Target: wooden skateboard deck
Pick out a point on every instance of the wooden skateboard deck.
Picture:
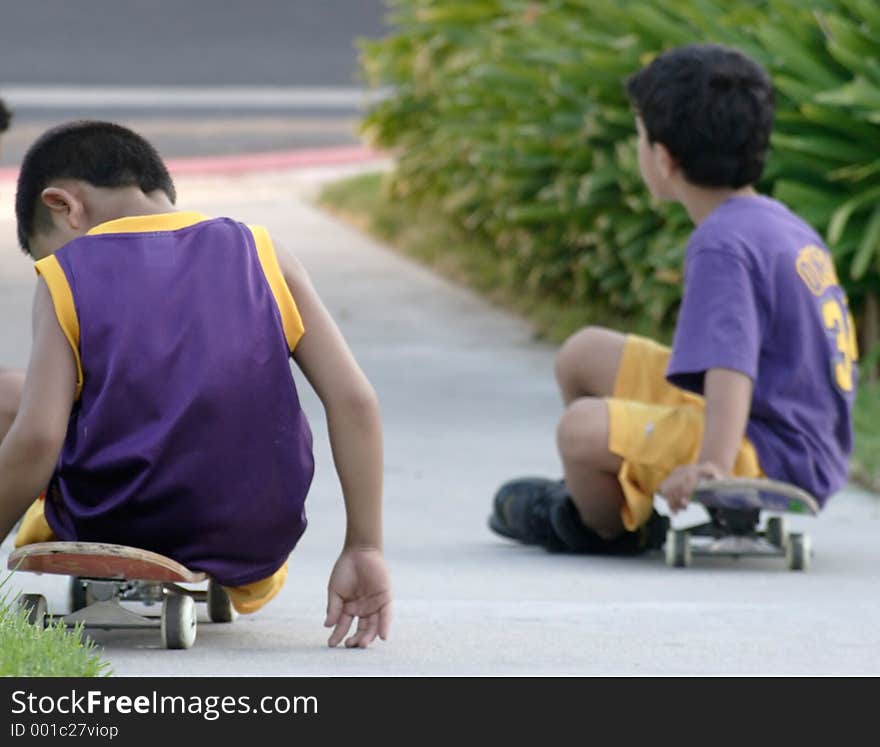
(750, 494)
(100, 561)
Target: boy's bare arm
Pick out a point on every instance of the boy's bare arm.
(29, 452)
(350, 403)
(359, 585)
(728, 396)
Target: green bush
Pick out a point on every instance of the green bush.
(510, 117)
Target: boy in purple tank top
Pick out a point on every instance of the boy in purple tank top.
(761, 377)
(159, 410)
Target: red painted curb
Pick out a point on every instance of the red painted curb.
(243, 163)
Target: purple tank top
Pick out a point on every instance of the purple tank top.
(187, 438)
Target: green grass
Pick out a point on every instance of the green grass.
(422, 233)
(28, 651)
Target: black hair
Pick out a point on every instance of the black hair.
(102, 154)
(712, 107)
(5, 116)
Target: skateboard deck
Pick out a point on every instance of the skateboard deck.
(101, 561)
(740, 494)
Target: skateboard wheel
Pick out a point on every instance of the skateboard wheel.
(77, 594)
(775, 531)
(178, 622)
(36, 608)
(797, 552)
(678, 548)
(220, 609)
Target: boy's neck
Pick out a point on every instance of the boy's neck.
(700, 202)
(128, 202)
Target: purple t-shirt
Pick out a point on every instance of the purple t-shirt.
(761, 297)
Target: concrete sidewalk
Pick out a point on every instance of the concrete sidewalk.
(468, 400)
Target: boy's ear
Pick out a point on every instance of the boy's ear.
(65, 206)
(667, 165)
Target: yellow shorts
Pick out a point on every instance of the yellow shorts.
(246, 599)
(655, 427)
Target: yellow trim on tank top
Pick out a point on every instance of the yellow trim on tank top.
(65, 310)
(149, 223)
(290, 318)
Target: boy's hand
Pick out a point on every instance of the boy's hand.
(678, 487)
(359, 587)
(728, 396)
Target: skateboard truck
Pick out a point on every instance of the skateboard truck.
(734, 507)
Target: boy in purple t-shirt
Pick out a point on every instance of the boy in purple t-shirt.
(761, 376)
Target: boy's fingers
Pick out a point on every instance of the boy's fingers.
(362, 637)
(339, 631)
(334, 609)
(353, 639)
(369, 634)
(385, 621)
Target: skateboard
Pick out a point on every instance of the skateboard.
(734, 507)
(103, 576)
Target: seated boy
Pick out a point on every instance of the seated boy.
(159, 410)
(760, 379)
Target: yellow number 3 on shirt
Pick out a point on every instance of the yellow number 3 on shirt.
(839, 320)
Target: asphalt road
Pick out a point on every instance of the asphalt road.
(287, 71)
(468, 400)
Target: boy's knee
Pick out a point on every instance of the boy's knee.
(571, 354)
(587, 361)
(582, 434)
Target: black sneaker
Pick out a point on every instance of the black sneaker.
(653, 531)
(521, 511)
(575, 535)
(579, 538)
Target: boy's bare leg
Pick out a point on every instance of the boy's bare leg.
(590, 468)
(11, 386)
(586, 372)
(586, 369)
(587, 363)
